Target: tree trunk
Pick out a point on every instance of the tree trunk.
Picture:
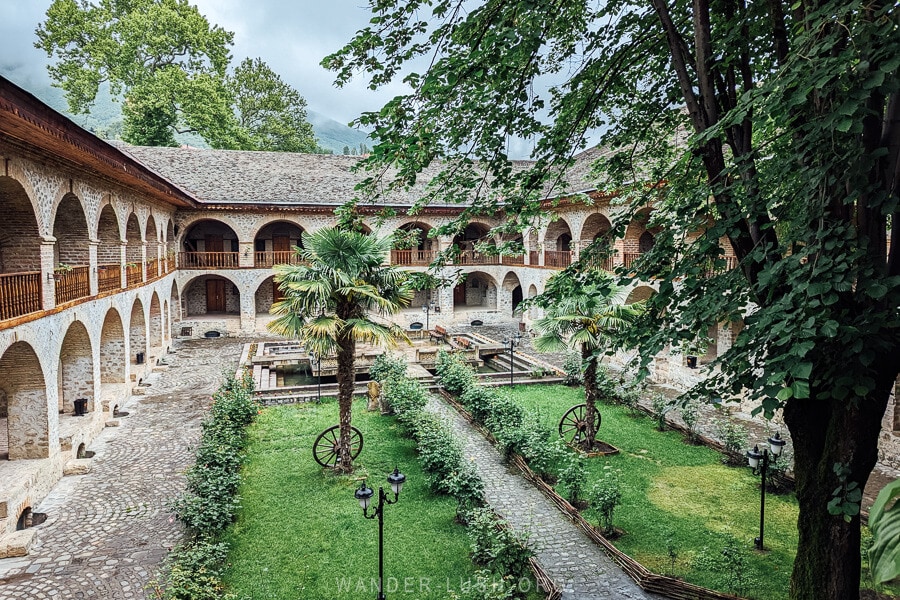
(590, 398)
(346, 379)
(825, 433)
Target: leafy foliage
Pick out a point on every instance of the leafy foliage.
(573, 476)
(734, 437)
(773, 128)
(169, 65)
(884, 521)
(660, 406)
(605, 495)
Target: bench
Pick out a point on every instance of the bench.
(438, 333)
(463, 342)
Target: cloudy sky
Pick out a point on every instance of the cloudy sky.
(292, 36)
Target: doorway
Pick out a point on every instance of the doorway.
(215, 295)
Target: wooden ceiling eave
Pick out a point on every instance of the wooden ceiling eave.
(47, 137)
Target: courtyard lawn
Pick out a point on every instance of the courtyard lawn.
(680, 497)
(301, 534)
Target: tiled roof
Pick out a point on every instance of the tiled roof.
(233, 176)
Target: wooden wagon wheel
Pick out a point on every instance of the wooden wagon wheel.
(573, 426)
(325, 448)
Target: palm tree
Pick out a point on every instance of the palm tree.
(585, 317)
(329, 302)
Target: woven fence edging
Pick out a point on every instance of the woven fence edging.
(642, 576)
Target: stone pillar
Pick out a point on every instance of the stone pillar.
(246, 254)
(444, 299)
(48, 282)
(248, 310)
(123, 258)
(143, 261)
(92, 268)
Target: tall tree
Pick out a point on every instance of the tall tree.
(162, 55)
(170, 67)
(330, 301)
(774, 126)
(271, 111)
(584, 311)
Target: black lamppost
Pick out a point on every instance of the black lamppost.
(754, 458)
(427, 308)
(315, 362)
(364, 495)
(512, 342)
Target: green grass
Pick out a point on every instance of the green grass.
(301, 534)
(682, 494)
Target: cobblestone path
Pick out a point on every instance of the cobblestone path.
(108, 530)
(575, 563)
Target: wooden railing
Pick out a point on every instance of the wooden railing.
(476, 258)
(558, 259)
(152, 269)
(170, 263)
(534, 258)
(208, 260)
(133, 274)
(412, 257)
(20, 294)
(265, 260)
(109, 277)
(72, 284)
(518, 259)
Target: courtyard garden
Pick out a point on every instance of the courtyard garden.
(301, 533)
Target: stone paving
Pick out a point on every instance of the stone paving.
(109, 530)
(572, 560)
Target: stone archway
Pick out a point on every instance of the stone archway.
(211, 294)
(156, 323)
(23, 403)
(175, 310)
(209, 243)
(512, 294)
(71, 257)
(137, 334)
(274, 244)
(20, 252)
(478, 291)
(109, 251)
(76, 369)
(113, 358)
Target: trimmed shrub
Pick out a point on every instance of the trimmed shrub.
(734, 437)
(455, 376)
(479, 400)
(387, 367)
(573, 477)
(605, 495)
(405, 397)
(496, 546)
(660, 406)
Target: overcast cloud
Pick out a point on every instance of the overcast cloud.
(292, 36)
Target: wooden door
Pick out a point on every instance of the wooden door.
(215, 295)
(281, 243)
(459, 295)
(214, 243)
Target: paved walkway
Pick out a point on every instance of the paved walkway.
(574, 562)
(108, 531)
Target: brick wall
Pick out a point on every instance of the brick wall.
(133, 252)
(137, 333)
(108, 252)
(156, 323)
(20, 244)
(485, 295)
(71, 233)
(195, 297)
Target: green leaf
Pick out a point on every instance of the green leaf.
(785, 394)
(884, 521)
(800, 389)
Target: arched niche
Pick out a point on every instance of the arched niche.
(23, 403)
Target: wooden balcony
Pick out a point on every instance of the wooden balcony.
(512, 261)
(534, 258)
(20, 294)
(412, 258)
(152, 269)
(208, 260)
(267, 260)
(170, 263)
(133, 274)
(557, 259)
(109, 277)
(72, 284)
(469, 257)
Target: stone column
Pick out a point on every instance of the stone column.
(248, 310)
(48, 282)
(92, 268)
(123, 258)
(143, 261)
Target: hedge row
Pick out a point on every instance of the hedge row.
(193, 570)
